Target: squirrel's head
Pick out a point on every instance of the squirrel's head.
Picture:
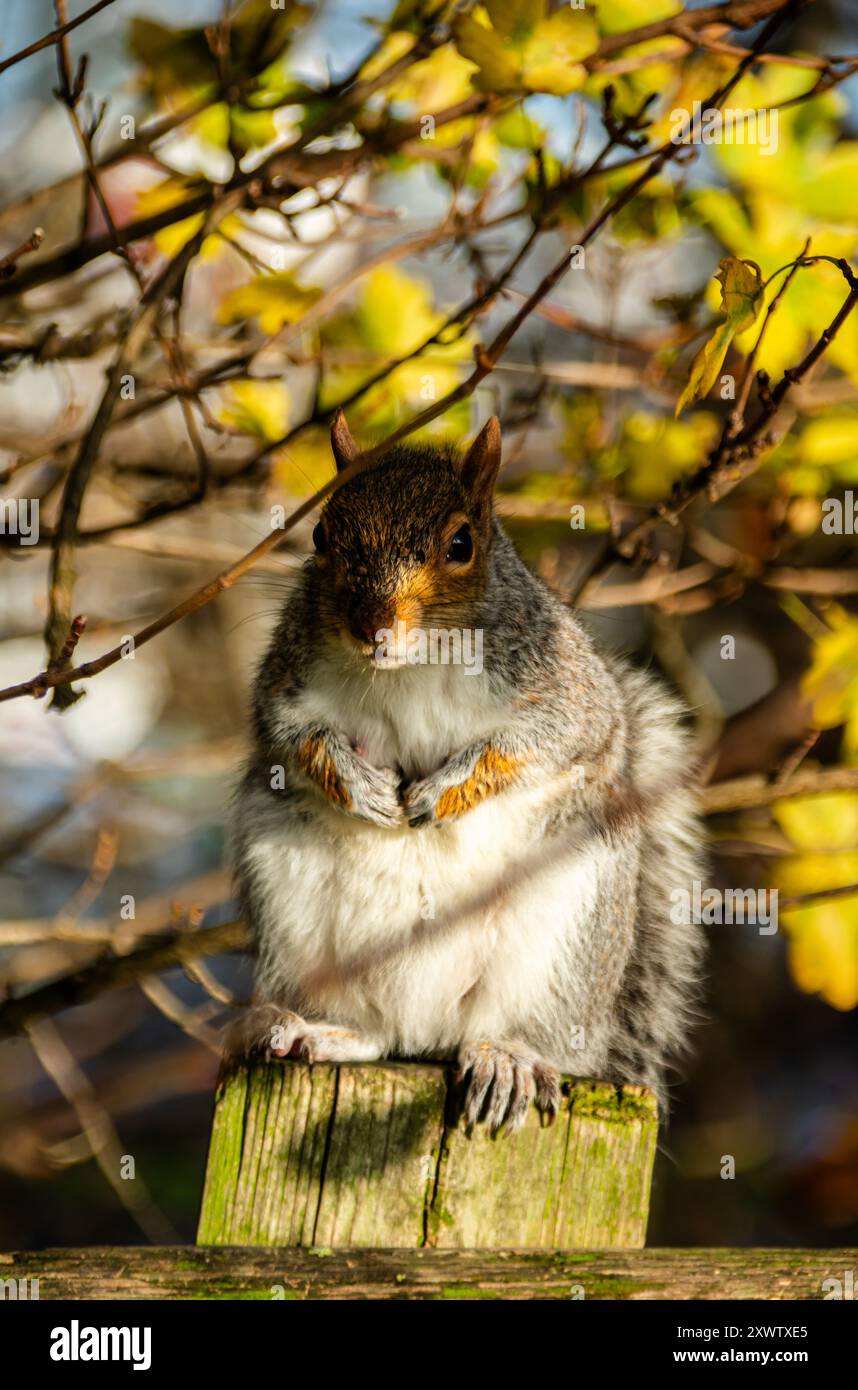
(404, 544)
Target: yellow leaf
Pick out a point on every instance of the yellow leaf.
(517, 49)
(741, 301)
(515, 19)
(655, 451)
(170, 193)
(615, 16)
(394, 314)
(552, 56)
(827, 822)
(823, 952)
(395, 46)
(274, 300)
(304, 465)
(830, 440)
(499, 68)
(823, 936)
(741, 291)
(439, 81)
(832, 679)
(260, 408)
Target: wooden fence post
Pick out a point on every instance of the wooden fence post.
(378, 1156)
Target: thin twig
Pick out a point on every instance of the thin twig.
(55, 35)
(98, 1129)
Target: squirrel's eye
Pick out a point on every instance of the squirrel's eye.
(320, 540)
(461, 547)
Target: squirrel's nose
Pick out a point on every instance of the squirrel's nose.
(365, 628)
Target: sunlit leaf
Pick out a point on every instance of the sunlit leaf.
(741, 301)
(439, 81)
(823, 936)
(825, 822)
(394, 314)
(259, 408)
(831, 682)
(499, 67)
(552, 54)
(517, 47)
(654, 451)
(823, 952)
(274, 299)
(170, 193)
(615, 16)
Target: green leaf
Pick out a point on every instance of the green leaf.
(741, 301)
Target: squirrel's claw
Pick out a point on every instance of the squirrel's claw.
(547, 1090)
(502, 1081)
(420, 802)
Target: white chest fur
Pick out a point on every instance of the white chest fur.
(419, 935)
(414, 717)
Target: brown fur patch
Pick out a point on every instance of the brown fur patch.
(493, 772)
(318, 764)
(622, 808)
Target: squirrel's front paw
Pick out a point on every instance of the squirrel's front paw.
(348, 781)
(374, 793)
(502, 1080)
(420, 800)
(461, 784)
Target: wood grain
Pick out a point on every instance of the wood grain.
(189, 1272)
(378, 1156)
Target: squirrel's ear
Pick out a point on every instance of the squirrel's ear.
(480, 465)
(343, 442)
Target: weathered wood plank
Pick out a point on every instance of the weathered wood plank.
(261, 1132)
(192, 1272)
(380, 1171)
(378, 1155)
(583, 1182)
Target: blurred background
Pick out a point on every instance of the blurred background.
(112, 811)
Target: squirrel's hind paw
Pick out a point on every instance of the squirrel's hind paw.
(501, 1083)
(250, 1033)
(269, 1031)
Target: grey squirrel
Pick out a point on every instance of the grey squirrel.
(441, 861)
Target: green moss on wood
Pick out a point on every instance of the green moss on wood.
(369, 1156)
